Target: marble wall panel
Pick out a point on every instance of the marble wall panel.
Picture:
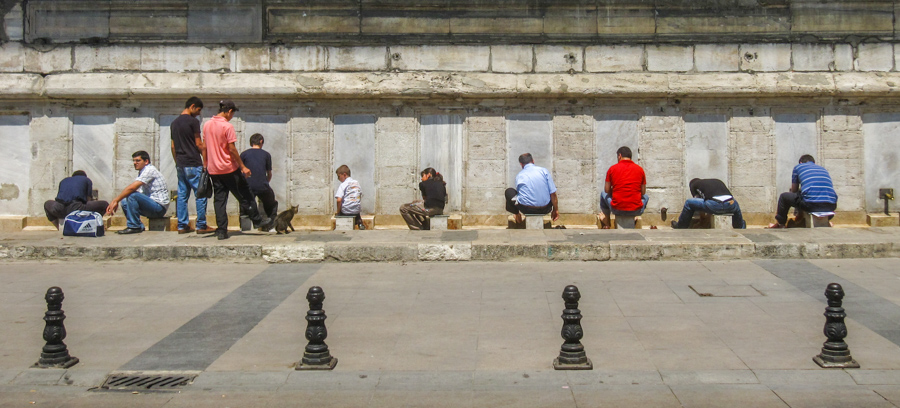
(528, 133)
(15, 174)
(93, 148)
(796, 134)
(881, 133)
(274, 129)
(441, 147)
(613, 131)
(706, 147)
(354, 145)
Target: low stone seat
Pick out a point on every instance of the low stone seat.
(536, 221)
(246, 223)
(625, 221)
(159, 224)
(344, 222)
(817, 219)
(721, 221)
(439, 222)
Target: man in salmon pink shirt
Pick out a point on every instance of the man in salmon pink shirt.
(227, 171)
(625, 191)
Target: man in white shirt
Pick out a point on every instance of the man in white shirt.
(148, 195)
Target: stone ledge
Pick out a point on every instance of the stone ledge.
(340, 85)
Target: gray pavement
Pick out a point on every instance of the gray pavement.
(464, 245)
(456, 334)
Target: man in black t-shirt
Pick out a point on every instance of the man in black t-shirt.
(711, 196)
(190, 160)
(259, 162)
(434, 196)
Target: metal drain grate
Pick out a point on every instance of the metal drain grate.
(147, 381)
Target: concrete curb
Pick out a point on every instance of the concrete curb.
(458, 251)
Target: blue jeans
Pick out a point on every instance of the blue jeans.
(606, 205)
(136, 205)
(712, 207)
(189, 180)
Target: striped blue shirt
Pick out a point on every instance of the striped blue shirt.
(534, 185)
(815, 183)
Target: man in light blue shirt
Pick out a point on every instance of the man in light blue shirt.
(535, 192)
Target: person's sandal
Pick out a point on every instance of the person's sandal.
(776, 226)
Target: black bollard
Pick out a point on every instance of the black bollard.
(571, 354)
(835, 352)
(55, 354)
(316, 356)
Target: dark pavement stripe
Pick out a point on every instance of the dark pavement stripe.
(201, 341)
(878, 314)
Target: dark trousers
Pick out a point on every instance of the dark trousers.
(267, 200)
(788, 200)
(236, 184)
(516, 208)
(56, 210)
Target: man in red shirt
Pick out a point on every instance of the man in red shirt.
(227, 171)
(625, 191)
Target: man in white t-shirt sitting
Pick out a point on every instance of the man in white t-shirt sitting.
(148, 195)
(347, 196)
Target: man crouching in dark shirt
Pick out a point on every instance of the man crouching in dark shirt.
(74, 194)
(711, 196)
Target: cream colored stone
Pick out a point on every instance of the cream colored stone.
(357, 58)
(109, 58)
(717, 57)
(765, 57)
(558, 58)
(302, 58)
(843, 57)
(185, 59)
(670, 58)
(512, 58)
(56, 60)
(875, 57)
(812, 57)
(614, 58)
(441, 58)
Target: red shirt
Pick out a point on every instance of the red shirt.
(626, 179)
(218, 133)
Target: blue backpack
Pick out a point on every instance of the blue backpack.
(83, 224)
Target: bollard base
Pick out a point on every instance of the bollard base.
(827, 362)
(328, 366)
(56, 363)
(587, 365)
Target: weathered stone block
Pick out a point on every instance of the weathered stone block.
(486, 124)
(241, 17)
(162, 21)
(438, 222)
(310, 174)
(55, 60)
(185, 58)
(837, 121)
(309, 58)
(752, 172)
(755, 199)
(573, 145)
(109, 58)
(842, 17)
(62, 22)
(485, 200)
(496, 25)
(752, 146)
(250, 59)
(357, 58)
(441, 58)
(558, 58)
(572, 123)
(314, 200)
(313, 19)
(512, 58)
(397, 176)
(875, 57)
(670, 58)
(813, 57)
(577, 200)
(663, 173)
(757, 120)
(312, 146)
(660, 123)
(882, 220)
(843, 57)
(398, 149)
(397, 125)
(133, 126)
(389, 199)
(12, 57)
(614, 58)
(625, 19)
(570, 21)
(311, 124)
(661, 146)
(485, 173)
(297, 252)
(445, 252)
(573, 173)
(717, 57)
(486, 145)
(765, 57)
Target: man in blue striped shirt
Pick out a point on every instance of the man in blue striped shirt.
(811, 191)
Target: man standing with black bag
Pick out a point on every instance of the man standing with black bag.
(189, 153)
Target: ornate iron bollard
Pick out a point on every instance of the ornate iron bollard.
(571, 354)
(835, 352)
(55, 354)
(316, 355)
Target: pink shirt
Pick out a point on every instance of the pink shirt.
(218, 133)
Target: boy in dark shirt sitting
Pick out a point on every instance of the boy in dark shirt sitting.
(434, 196)
(259, 162)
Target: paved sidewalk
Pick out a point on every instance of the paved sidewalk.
(437, 335)
(464, 245)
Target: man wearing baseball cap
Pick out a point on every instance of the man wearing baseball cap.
(227, 171)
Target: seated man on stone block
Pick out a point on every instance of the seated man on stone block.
(75, 194)
(535, 192)
(713, 197)
(148, 195)
(811, 191)
(625, 191)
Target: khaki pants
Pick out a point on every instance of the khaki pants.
(416, 215)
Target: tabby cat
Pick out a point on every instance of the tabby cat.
(283, 220)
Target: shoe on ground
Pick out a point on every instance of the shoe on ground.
(130, 231)
(674, 224)
(186, 230)
(362, 227)
(207, 230)
(222, 235)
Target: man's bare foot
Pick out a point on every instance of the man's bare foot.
(776, 225)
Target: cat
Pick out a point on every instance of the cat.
(283, 220)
